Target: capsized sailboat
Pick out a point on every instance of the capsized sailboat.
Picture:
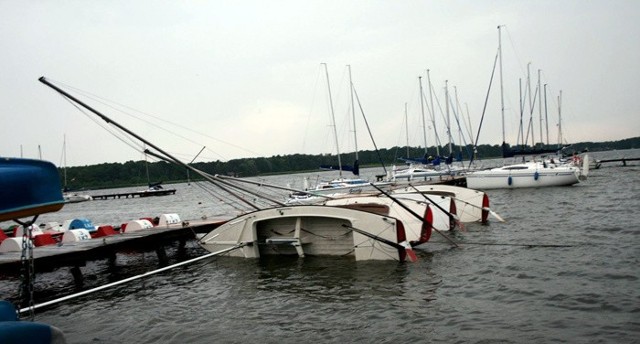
(314, 231)
(305, 230)
(470, 205)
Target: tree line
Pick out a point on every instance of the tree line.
(136, 173)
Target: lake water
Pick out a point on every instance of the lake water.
(492, 289)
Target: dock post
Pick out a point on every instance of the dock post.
(182, 247)
(77, 275)
(112, 260)
(162, 255)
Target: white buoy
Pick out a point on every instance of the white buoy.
(137, 225)
(34, 231)
(13, 245)
(168, 219)
(75, 235)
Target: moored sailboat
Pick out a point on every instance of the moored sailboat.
(527, 174)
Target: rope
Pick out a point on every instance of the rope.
(32, 307)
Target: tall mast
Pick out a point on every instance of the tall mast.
(546, 117)
(521, 131)
(433, 117)
(530, 127)
(406, 121)
(424, 124)
(446, 98)
(146, 165)
(501, 82)
(560, 138)
(333, 120)
(353, 113)
(469, 126)
(540, 108)
(455, 90)
(64, 158)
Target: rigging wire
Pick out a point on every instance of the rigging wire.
(127, 140)
(108, 102)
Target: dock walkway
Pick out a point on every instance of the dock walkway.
(146, 193)
(622, 160)
(50, 257)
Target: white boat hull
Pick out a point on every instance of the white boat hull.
(470, 205)
(309, 230)
(526, 176)
(386, 206)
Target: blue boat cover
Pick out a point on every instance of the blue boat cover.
(28, 187)
(82, 223)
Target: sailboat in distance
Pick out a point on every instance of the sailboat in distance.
(68, 195)
(340, 185)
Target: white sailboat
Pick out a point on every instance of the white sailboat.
(536, 173)
(426, 168)
(70, 197)
(340, 185)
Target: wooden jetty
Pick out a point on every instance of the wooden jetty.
(76, 254)
(146, 193)
(622, 160)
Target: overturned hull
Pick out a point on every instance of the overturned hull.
(469, 205)
(418, 228)
(311, 230)
(29, 187)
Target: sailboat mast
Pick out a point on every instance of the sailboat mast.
(333, 119)
(530, 127)
(546, 117)
(166, 155)
(540, 109)
(501, 82)
(521, 129)
(446, 98)
(353, 113)
(424, 124)
(458, 115)
(406, 122)
(146, 165)
(433, 117)
(64, 158)
(560, 138)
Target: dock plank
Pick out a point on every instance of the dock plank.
(134, 194)
(47, 258)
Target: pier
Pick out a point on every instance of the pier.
(75, 255)
(622, 160)
(146, 193)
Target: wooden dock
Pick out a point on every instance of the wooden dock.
(622, 160)
(146, 193)
(50, 257)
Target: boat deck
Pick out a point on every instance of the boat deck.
(50, 257)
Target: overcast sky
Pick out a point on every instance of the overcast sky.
(245, 78)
